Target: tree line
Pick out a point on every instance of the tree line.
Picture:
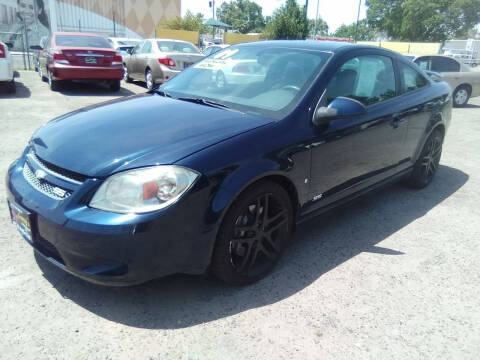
(402, 20)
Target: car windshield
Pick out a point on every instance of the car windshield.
(254, 79)
(82, 41)
(177, 46)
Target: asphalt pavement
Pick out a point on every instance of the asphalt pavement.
(395, 275)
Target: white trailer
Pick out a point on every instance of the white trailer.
(467, 51)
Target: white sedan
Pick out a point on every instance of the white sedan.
(6, 69)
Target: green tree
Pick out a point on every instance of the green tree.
(243, 15)
(424, 20)
(189, 22)
(287, 22)
(364, 31)
(322, 27)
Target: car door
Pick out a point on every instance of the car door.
(132, 61)
(142, 58)
(418, 105)
(348, 155)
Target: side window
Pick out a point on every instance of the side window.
(207, 51)
(146, 48)
(369, 79)
(411, 78)
(425, 63)
(444, 64)
(137, 48)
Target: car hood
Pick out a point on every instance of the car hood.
(136, 131)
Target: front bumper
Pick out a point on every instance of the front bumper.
(114, 249)
(70, 72)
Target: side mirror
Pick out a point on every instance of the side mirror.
(435, 76)
(9, 45)
(340, 108)
(36, 47)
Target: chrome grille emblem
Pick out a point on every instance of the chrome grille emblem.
(40, 174)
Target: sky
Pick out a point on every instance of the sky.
(335, 13)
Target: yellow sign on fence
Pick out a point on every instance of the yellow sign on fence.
(234, 38)
(190, 36)
(406, 47)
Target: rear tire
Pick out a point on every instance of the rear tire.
(126, 75)
(149, 79)
(253, 234)
(54, 84)
(427, 164)
(115, 85)
(461, 96)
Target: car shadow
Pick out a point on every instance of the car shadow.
(22, 92)
(320, 245)
(471, 106)
(86, 89)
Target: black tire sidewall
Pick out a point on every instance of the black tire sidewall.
(418, 178)
(221, 266)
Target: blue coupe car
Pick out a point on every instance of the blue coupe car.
(195, 177)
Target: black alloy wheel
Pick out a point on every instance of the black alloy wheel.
(428, 162)
(253, 235)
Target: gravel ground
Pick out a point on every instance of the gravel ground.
(393, 276)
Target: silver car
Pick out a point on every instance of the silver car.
(464, 81)
(158, 60)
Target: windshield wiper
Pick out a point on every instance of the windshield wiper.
(206, 102)
(161, 92)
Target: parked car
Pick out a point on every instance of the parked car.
(123, 45)
(80, 56)
(464, 81)
(189, 177)
(158, 60)
(212, 49)
(229, 70)
(6, 68)
(37, 51)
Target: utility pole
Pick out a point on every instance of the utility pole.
(306, 19)
(358, 17)
(316, 20)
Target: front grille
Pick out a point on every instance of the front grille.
(44, 186)
(57, 171)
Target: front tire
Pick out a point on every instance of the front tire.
(461, 96)
(253, 234)
(427, 164)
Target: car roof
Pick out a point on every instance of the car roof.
(175, 40)
(307, 44)
(76, 33)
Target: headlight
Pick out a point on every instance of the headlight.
(143, 190)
